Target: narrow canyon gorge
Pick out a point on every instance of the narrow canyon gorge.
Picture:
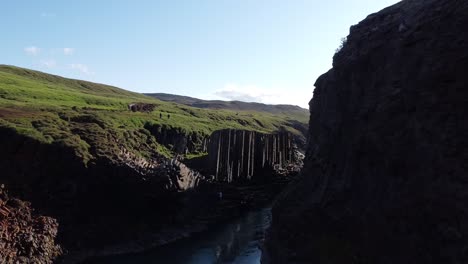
(379, 174)
(150, 201)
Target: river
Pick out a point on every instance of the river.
(235, 242)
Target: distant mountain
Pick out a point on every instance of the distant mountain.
(230, 105)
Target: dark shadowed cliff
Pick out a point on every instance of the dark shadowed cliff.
(385, 178)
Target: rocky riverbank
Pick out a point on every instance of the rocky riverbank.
(208, 210)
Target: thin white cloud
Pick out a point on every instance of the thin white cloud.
(247, 93)
(253, 93)
(49, 63)
(32, 50)
(68, 51)
(81, 68)
(47, 15)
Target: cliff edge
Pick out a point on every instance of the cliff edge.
(385, 177)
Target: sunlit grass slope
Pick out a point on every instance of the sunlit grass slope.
(94, 119)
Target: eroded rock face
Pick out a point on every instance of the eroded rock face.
(177, 140)
(240, 154)
(24, 236)
(385, 178)
(170, 174)
(128, 193)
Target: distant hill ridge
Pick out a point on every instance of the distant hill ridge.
(231, 105)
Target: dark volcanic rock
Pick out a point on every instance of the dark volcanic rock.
(141, 107)
(24, 236)
(235, 155)
(130, 193)
(385, 178)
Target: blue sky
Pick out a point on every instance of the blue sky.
(269, 51)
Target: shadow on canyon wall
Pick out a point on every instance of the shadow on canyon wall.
(385, 173)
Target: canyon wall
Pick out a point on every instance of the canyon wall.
(125, 192)
(237, 155)
(385, 178)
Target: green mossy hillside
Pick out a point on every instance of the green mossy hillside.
(94, 118)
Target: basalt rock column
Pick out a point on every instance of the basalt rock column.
(240, 154)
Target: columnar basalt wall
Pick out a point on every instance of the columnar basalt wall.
(385, 177)
(241, 155)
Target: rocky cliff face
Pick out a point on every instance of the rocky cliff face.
(24, 236)
(177, 140)
(236, 155)
(385, 175)
(169, 174)
(128, 193)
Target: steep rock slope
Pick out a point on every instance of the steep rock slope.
(385, 178)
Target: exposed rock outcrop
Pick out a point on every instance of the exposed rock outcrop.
(24, 236)
(177, 140)
(235, 155)
(141, 107)
(385, 177)
(172, 174)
